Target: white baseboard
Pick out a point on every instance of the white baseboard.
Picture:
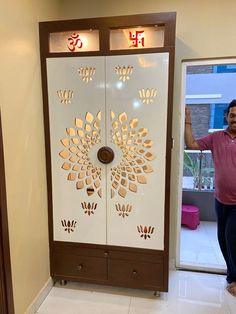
(34, 306)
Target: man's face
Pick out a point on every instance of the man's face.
(231, 119)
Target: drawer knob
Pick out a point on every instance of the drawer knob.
(106, 254)
(79, 267)
(135, 272)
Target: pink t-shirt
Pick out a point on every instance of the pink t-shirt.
(223, 149)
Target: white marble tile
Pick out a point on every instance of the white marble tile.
(200, 247)
(72, 301)
(145, 306)
(197, 293)
(189, 293)
(220, 258)
(206, 257)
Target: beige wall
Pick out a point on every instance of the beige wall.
(22, 117)
(205, 28)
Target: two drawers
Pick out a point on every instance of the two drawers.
(109, 266)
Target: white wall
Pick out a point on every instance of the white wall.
(204, 29)
(23, 136)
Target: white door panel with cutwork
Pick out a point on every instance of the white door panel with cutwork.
(77, 130)
(136, 103)
(119, 102)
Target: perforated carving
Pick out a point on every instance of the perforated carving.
(65, 96)
(86, 73)
(82, 136)
(147, 96)
(124, 72)
(68, 225)
(134, 166)
(123, 210)
(145, 232)
(89, 208)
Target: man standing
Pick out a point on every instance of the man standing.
(223, 147)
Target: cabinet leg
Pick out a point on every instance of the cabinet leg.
(63, 282)
(157, 294)
(54, 281)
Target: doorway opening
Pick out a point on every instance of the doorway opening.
(207, 88)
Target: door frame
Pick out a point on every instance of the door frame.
(6, 292)
(184, 64)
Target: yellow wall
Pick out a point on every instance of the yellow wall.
(23, 135)
(205, 28)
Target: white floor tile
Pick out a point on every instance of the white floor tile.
(200, 246)
(142, 306)
(189, 293)
(76, 301)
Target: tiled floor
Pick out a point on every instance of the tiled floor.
(200, 247)
(189, 293)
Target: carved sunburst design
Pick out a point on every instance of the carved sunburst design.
(79, 141)
(135, 163)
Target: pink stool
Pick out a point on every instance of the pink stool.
(190, 216)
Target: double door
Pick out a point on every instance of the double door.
(107, 119)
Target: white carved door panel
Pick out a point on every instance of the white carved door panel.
(119, 102)
(77, 130)
(136, 104)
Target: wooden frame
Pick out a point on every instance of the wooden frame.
(6, 293)
(60, 249)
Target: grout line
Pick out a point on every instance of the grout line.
(129, 309)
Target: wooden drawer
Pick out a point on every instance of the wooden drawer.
(80, 267)
(136, 274)
(63, 248)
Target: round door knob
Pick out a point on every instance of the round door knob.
(105, 155)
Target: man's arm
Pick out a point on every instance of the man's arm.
(188, 134)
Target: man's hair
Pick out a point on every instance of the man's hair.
(231, 104)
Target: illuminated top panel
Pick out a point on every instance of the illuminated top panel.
(137, 38)
(74, 41)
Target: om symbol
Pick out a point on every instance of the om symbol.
(74, 41)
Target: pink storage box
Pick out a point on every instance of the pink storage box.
(190, 216)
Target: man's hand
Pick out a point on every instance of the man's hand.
(187, 115)
(188, 135)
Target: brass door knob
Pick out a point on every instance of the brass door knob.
(105, 155)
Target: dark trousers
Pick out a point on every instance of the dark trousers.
(226, 224)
